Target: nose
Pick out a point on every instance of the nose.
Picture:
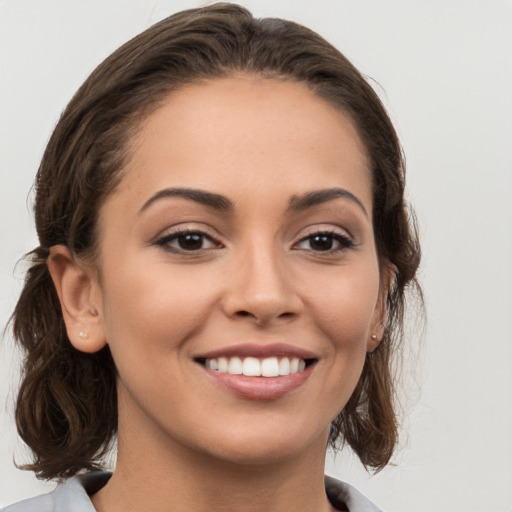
(261, 289)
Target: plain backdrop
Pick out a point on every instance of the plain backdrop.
(444, 70)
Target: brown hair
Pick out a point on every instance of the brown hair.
(66, 409)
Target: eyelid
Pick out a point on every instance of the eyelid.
(323, 228)
(342, 236)
(188, 227)
(176, 231)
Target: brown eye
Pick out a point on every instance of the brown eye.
(190, 241)
(321, 242)
(325, 242)
(187, 241)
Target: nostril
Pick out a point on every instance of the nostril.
(262, 318)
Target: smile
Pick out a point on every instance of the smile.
(255, 367)
(259, 372)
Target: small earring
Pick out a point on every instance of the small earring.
(83, 335)
(373, 337)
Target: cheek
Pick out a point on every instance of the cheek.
(344, 307)
(150, 313)
(149, 321)
(344, 313)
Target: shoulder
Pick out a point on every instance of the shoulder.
(344, 497)
(69, 496)
(73, 496)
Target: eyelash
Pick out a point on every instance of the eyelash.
(165, 241)
(343, 241)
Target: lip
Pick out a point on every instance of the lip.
(258, 388)
(259, 350)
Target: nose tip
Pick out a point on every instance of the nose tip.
(262, 291)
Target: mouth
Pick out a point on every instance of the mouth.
(260, 372)
(250, 366)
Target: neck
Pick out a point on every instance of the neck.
(176, 478)
(158, 472)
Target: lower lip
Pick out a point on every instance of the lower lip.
(260, 388)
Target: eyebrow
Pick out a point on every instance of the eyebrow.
(216, 201)
(316, 197)
(222, 203)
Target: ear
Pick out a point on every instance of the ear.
(380, 314)
(80, 299)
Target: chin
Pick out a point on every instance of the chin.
(269, 446)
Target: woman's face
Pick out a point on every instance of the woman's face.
(240, 240)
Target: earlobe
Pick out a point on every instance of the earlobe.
(373, 342)
(381, 311)
(75, 287)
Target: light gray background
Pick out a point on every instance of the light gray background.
(444, 70)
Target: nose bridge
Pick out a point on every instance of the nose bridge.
(260, 285)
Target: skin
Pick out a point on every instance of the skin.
(186, 443)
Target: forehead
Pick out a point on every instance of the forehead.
(246, 133)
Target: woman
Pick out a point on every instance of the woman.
(224, 254)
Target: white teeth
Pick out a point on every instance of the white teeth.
(270, 367)
(223, 364)
(235, 366)
(254, 367)
(284, 366)
(251, 367)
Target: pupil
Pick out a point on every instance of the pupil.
(191, 241)
(321, 242)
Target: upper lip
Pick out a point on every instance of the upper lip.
(259, 351)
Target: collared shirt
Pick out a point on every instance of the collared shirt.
(73, 496)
